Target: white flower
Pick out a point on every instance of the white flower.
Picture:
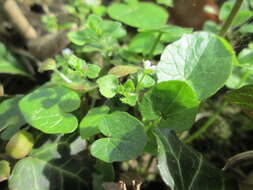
(92, 2)
(67, 51)
(148, 65)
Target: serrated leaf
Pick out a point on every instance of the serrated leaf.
(113, 29)
(131, 99)
(125, 140)
(243, 97)
(10, 115)
(139, 15)
(82, 37)
(5, 170)
(76, 63)
(201, 59)
(93, 71)
(182, 168)
(47, 109)
(145, 81)
(90, 122)
(53, 166)
(174, 103)
(108, 85)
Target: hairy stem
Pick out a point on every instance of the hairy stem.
(230, 18)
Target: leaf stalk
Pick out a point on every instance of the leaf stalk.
(230, 18)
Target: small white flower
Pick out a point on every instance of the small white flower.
(67, 51)
(92, 2)
(148, 65)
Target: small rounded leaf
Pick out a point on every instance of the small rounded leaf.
(108, 85)
(125, 140)
(4, 170)
(47, 109)
(20, 145)
(139, 15)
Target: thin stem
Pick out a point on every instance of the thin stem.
(151, 53)
(203, 129)
(137, 89)
(230, 18)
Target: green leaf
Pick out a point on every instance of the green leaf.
(145, 81)
(10, 115)
(211, 26)
(242, 75)
(201, 59)
(93, 71)
(9, 64)
(113, 29)
(246, 29)
(108, 85)
(94, 22)
(243, 97)
(89, 124)
(82, 37)
(174, 103)
(128, 91)
(143, 43)
(131, 2)
(5, 170)
(170, 33)
(246, 55)
(182, 168)
(130, 99)
(53, 166)
(139, 15)
(168, 3)
(125, 140)
(46, 109)
(48, 65)
(106, 169)
(76, 63)
(123, 70)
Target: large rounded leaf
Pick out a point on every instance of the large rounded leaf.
(125, 140)
(182, 168)
(203, 60)
(174, 103)
(139, 15)
(55, 165)
(46, 109)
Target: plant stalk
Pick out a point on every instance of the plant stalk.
(151, 53)
(203, 129)
(230, 18)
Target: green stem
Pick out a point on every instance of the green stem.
(203, 129)
(137, 89)
(230, 18)
(151, 53)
